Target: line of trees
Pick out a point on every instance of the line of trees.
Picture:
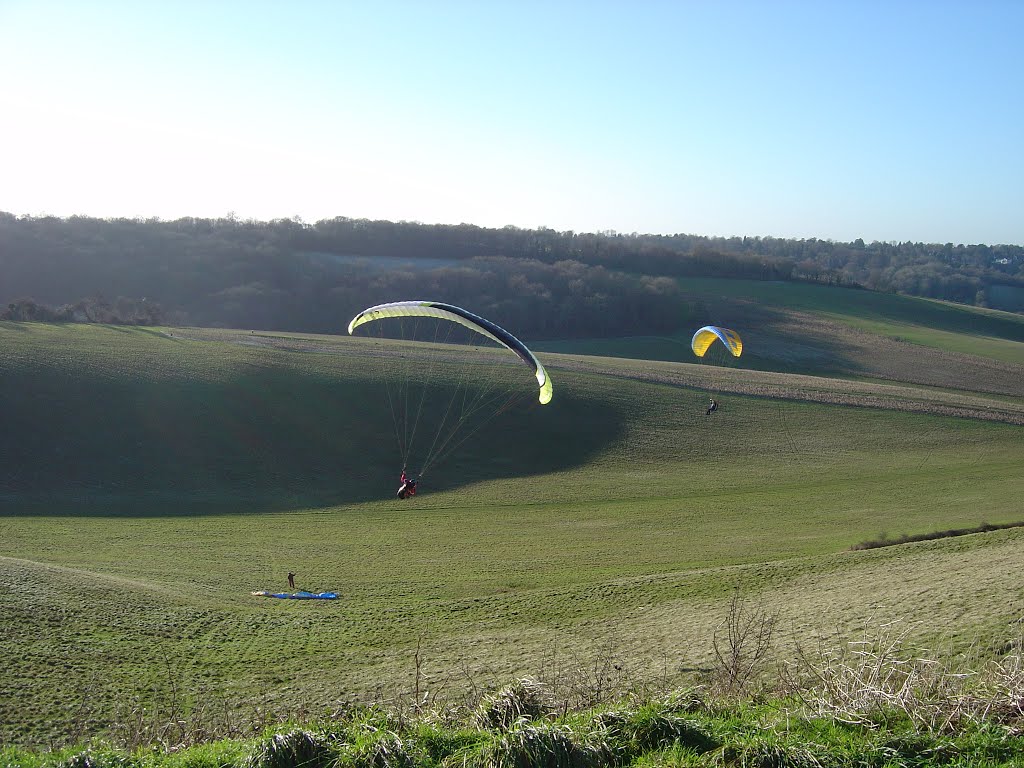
(293, 275)
(96, 309)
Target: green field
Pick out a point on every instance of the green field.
(152, 478)
(835, 331)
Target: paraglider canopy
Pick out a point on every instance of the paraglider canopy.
(441, 383)
(462, 317)
(706, 336)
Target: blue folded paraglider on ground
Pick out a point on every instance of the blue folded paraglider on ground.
(300, 595)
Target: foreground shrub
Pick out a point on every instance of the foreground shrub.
(294, 749)
(525, 699)
(764, 752)
(653, 727)
(101, 758)
(537, 746)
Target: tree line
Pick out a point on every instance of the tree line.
(95, 309)
(292, 275)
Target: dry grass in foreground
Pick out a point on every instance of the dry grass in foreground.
(876, 702)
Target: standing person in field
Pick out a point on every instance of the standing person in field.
(711, 408)
(291, 579)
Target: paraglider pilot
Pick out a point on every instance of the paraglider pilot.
(291, 579)
(407, 486)
(711, 408)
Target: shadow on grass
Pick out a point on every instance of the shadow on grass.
(862, 304)
(265, 440)
(770, 343)
(777, 340)
(905, 538)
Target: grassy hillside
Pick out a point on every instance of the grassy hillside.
(153, 478)
(843, 332)
(102, 420)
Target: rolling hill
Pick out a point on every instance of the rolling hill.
(152, 478)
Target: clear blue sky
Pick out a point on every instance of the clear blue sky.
(837, 120)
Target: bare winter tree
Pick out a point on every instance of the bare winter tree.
(742, 645)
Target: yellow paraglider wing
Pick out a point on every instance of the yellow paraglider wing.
(706, 336)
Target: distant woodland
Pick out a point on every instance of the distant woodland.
(287, 274)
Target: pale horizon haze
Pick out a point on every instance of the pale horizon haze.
(889, 121)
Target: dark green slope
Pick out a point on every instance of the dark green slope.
(107, 420)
